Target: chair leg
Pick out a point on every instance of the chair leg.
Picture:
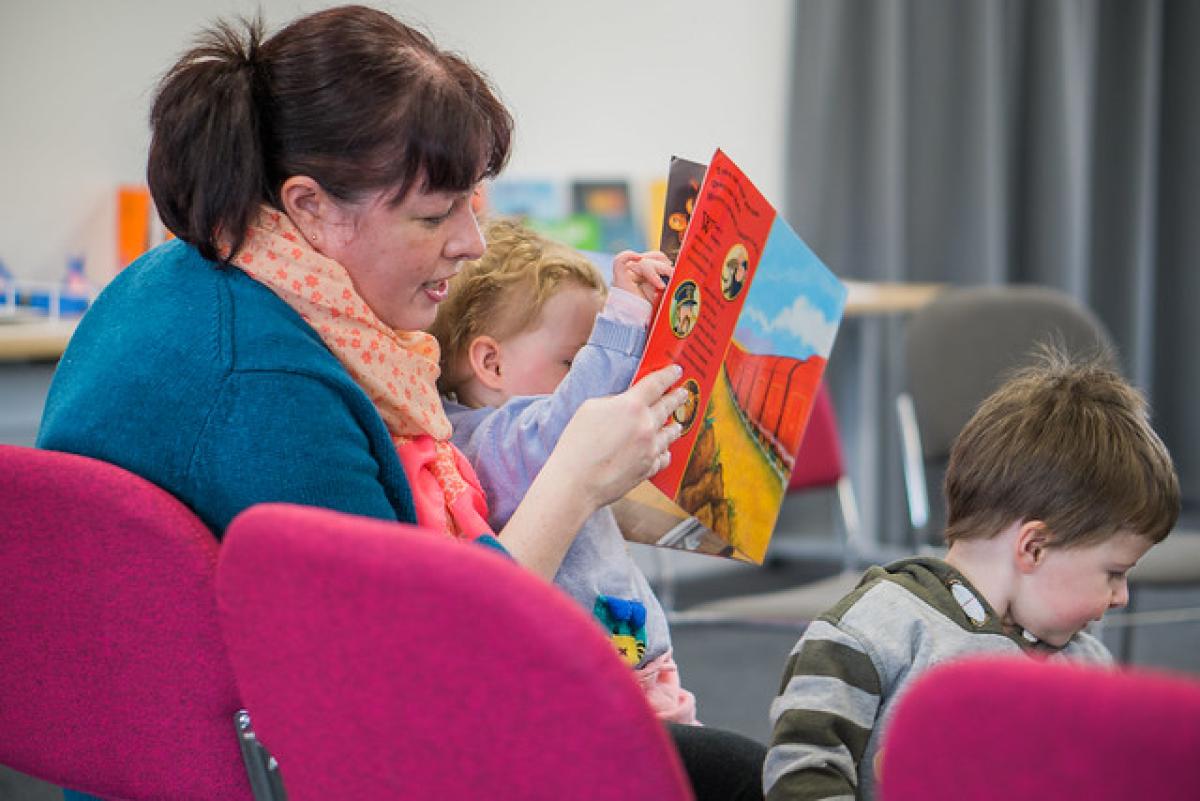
(266, 783)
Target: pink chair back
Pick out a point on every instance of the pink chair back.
(819, 460)
(113, 674)
(998, 730)
(381, 661)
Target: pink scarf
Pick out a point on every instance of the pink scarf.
(397, 369)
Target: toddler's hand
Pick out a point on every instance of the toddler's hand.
(643, 274)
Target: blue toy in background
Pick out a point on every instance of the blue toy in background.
(70, 297)
(76, 291)
(7, 287)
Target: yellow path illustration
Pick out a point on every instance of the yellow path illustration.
(753, 487)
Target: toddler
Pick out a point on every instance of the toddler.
(1055, 488)
(528, 333)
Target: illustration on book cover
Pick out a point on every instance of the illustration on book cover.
(750, 314)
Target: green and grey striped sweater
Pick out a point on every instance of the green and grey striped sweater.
(854, 662)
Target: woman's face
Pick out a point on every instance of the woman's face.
(401, 257)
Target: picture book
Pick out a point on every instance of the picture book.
(683, 185)
(750, 313)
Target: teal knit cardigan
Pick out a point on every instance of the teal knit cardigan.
(201, 380)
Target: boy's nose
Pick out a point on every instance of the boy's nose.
(1120, 597)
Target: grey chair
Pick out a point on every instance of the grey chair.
(958, 349)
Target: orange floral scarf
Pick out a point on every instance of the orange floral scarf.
(397, 369)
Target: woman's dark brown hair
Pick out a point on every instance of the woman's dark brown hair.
(349, 96)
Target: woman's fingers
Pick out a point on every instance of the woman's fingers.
(652, 388)
(665, 437)
(613, 443)
(668, 403)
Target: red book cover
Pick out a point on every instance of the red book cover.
(750, 314)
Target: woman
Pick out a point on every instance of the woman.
(320, 183)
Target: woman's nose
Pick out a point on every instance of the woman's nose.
(466, 240)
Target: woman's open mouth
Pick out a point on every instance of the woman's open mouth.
(436, 291)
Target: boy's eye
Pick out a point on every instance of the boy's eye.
(567, 363)
(1116, 575)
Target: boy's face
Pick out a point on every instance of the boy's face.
(536, 360)
(1072, 587)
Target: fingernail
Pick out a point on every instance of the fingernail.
(678, 370)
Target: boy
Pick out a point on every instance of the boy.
(1055, 488)
(527, 335)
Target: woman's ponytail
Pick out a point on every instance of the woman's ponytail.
(206, 166)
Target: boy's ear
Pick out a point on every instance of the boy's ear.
(483, 354)
(1033, 539)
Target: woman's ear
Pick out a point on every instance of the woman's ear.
(311, 208)
(1033, 539)
(483, 354)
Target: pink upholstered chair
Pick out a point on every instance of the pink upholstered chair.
(382, 661)
(821, 466)
(113, 674)
(999, 730)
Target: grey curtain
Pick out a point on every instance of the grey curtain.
(995, 141)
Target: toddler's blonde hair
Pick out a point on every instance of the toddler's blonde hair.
(502, 293)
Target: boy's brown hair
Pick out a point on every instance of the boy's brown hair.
(1068, 443)
(503, 292)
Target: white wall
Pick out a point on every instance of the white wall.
(598, 90)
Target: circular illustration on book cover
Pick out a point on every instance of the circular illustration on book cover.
(685, 413)
(733, 272)
(685, 308)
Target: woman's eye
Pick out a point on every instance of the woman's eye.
(438, 219)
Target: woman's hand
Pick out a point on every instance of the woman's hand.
(614, 443)
(608, 448)
(643, 274)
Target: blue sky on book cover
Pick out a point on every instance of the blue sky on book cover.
(794, 303)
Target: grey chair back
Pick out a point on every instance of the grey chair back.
(961, 346)
(958, 350)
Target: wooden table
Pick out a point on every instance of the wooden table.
(27, 339)
(866, 298)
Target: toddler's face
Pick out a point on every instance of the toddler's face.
(1075, 586)
(536, 360)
